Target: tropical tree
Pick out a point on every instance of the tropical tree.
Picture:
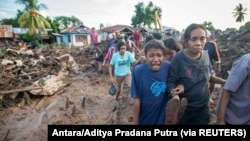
(145, 16)
(9, 21)
(12, 21)
(239, 13)
(209, 25)
(137, 19)
(247, 25)
(31, 19)
(54, 25)
(65, 21)
(101, 25)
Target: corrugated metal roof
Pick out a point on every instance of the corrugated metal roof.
(117, 28)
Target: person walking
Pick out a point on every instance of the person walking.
(234, 104)
(172, 47)
(93, 39)
(120, 64)
(191, 67)
(149, 87)
(131, 45)
(214, 55)
(175, 107)
(137, 37)
(99, 58)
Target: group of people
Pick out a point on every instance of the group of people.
(165, 72)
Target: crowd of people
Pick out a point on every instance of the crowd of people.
(172, 83)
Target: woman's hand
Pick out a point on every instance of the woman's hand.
(112, 80)
(179, 89)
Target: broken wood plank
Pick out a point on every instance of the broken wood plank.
(19, 90)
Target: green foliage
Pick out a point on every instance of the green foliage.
(65, 22)
(137, 19)
(10, 21)
(239, 13)
(42, 45)
(28, 38)
(209, 25)
(247, 25)
(54, 25)
(32, 4)
(2, 51)
(145, 16)
(230, 29)
(31, 19)
(101, 25)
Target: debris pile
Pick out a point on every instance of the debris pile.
(231, 48)
(25, 71)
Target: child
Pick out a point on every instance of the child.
(150, 93)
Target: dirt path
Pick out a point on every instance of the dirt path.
(85, 101)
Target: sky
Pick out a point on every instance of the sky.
(175, 13)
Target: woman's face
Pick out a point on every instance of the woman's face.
(154, 58)
(197, 41)
(123, 49)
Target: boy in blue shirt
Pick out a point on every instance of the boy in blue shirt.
(149, 87)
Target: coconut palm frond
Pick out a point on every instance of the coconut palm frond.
(239, 13)
(45, 22)
(41, 26)
(32, 27)
(23, 20)
(31, 18)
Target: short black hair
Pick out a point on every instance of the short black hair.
(126, 37)
(119, 44)
(172, 44)
(157, 35)
(154, 43)
(149, 37)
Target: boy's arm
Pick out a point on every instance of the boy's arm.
(136, 110)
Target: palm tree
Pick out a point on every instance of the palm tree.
(31, 19)
(101, 25)
(239, 13)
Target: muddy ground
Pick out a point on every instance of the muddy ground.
(85, 101)
(27, 123)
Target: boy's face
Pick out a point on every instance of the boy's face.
(154, 58)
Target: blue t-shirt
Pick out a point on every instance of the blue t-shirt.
(151, 88)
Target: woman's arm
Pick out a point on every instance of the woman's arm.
(217, 80)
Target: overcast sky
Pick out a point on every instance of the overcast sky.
(175, 13)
